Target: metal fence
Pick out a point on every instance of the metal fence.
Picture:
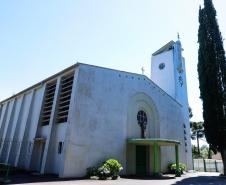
(208, 165)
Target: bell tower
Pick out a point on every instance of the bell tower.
(168, 72)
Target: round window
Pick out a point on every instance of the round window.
(142, 122)
(161, 66)
(142, 118)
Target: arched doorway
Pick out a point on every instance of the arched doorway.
(142, 122)
(142, 152)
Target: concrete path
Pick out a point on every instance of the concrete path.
(200, 178)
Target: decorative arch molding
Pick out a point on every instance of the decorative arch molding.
(141, 101)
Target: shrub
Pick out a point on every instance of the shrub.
(172, 168)
(108, 169)
(103, 173)
(92, 171)
(114, 167)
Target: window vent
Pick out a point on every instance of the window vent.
(65, 97)
(47, 108)
(60, 147)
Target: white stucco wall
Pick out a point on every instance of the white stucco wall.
(164, 77)
(20, 125)
(5, 128)
(15, 126)
(103, 118)
(21, 119)
(32, 125)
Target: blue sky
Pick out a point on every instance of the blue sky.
(39, 38)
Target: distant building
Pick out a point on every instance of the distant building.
(217, 156)
(86, 114)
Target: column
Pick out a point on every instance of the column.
(156, 160)
(178, 173)
(51, 127)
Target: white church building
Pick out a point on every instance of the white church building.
(86, 114)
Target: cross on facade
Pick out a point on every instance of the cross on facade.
(178, 36)
(142, 69)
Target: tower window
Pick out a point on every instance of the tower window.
(47, 108)
(65, 97)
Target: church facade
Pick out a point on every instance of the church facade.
(86, 114)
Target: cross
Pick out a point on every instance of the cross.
(178, 36)
(142, 69)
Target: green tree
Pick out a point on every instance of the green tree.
(190, 112)
(197, 132)
(205, 152)
(212, 78)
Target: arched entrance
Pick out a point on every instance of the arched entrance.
(142, 122)
(144, 143)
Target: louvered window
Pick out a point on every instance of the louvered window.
(65, 96)
(47, 108)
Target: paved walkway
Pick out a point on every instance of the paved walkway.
(200, 178)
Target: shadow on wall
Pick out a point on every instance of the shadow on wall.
(202, 180)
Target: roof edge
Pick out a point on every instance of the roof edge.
(131, 73)
(78, 64)
(164, 48)
(41, 82)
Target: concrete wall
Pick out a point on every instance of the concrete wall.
(165, 77)
(13, 142)
(20, 124)
(104, 116)
(25, 143)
